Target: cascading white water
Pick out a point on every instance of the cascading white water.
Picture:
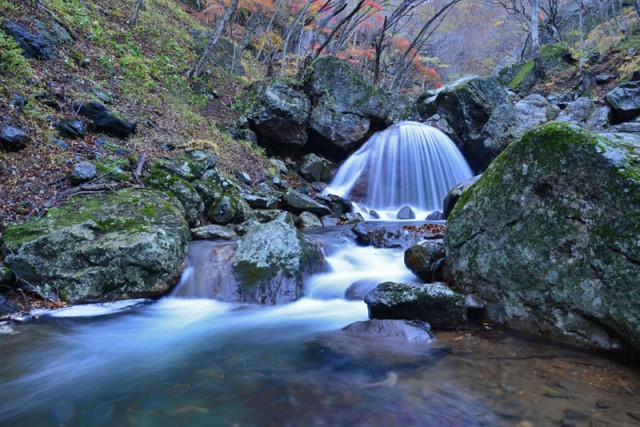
(407, 164)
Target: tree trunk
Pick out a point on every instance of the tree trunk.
(206, 53)
(535, 41)
(580, 23)
(252, 23)
(136, 11)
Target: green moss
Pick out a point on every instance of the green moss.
(524, 72)
(12, 62)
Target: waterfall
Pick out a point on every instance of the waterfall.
(407, 164)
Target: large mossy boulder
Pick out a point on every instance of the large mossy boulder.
(271, 262)
(279, 114)
(468, 105)
(130, 243)
(345, 107)
(548, 236)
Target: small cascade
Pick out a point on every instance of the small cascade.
(407, 164)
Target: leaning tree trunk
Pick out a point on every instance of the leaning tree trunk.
(206, 53)
(136, 11)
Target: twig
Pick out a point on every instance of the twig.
(27, 305)
(138, 171)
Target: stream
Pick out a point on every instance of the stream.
(199, 362)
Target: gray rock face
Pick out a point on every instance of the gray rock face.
(82, 172)
(72, 128)
(624, 102)
(212, 232)
(13, 139)
(344, 106)
(427, 261)
(468, 105)
(582, 112)
(548, 236)
(130, 243)
(37, 46)
(299, 203)
(434, 303)
(280, 114)
(315, 168)
(271, 261)
(454, 194)
(309, 220)
(105, 120)
(411, 331)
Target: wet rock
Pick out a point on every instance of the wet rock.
(36, 46)
(82, 172)
(549, 234)
(212, 232)
(280, 114)
(374, 214)
(298, 203)
(406, 213)
(454, 194)
(315, 168)
(105, 120)
(340, 205)
(350, 218)
(412, 331)
(229, 209)
(435, 216)
(427, 261)
(358, 290)
(7, 308)
(318, 186)
(434, 303)
(126, 244)
(624, 102)
(330, 221)
(259, 201)
(72, 128)
(271, 262)
(308, 220)
(363, 237)
(13, 139)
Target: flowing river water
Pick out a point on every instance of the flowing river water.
(199, 362)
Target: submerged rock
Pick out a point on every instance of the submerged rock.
(271, 262)
(130, 243)
(434, 303)
(548, 237)
(412, 331)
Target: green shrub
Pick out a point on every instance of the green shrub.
(11, 60)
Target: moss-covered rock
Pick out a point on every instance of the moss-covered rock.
(548, 236)
(521, 77)
(434, 303)
(427, 261)
(230, 208)
(130, 243)
(271, 262)
(182, 189)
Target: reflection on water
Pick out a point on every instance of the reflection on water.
(205, 363)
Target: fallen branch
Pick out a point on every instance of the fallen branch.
(97, 188)
(138, 171)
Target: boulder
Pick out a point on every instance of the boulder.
(406, 213)
(427, 261)
(315, 168)
(359, 289)
(345, 107)
(13, 139)
(454, 194)
(228, 209)
(625, 102)
(434, 303)
(105, 120)
(72, 128)
(36, 46)
(308, 220)
(83, 172)
(548, 236)
(182, 189)
(212, 232)
(298, 203)
(468, 105)
(280, 114)
(435, 216)
(582, 112)
(272, 261)
(127, 244)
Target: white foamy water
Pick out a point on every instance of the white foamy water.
(408, 164)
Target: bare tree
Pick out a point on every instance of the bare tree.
(197, 69)
(136, 10)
